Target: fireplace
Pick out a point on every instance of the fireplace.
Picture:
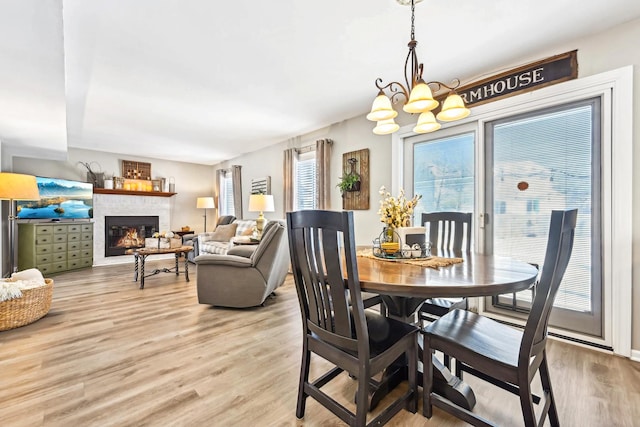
(127, 232)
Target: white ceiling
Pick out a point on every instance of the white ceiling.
(205, 80)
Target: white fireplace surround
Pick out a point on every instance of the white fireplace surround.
(120, 205)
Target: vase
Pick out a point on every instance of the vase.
(389, 235)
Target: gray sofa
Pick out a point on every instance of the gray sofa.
(246, 275)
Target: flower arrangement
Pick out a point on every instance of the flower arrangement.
(396, 212)
(164, 234)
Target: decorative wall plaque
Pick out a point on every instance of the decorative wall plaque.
(261, 185)
(356, 162)
(136, 170)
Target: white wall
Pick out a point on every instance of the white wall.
(191, 180)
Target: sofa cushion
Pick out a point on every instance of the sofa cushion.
(224, 233)
(244, 225)
(213, 247)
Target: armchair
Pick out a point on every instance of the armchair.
(244, 277)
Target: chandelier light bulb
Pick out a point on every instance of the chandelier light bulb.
(420, 99)
(427, 123)
(453, 109)
(385, 127)
(381, 109)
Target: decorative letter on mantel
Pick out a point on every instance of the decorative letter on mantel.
(356, 200)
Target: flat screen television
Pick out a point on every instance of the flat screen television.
(59, 199)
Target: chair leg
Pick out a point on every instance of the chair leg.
(526, 402)
(362, 397)
(304, 379)
(412, 357)
(427, 377)
(546, 386)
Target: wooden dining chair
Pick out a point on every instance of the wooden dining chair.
(449, 233)
(335, 324)
(505, 356)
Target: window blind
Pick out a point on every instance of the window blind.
(543, 163)
(305, 182)
(226, 196)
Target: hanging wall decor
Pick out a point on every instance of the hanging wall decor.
(354, 182)
(261, 185)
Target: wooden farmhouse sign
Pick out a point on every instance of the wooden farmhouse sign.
(536, 75)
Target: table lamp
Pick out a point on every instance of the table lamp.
(261, 203)
(205, 203)
(16, 186)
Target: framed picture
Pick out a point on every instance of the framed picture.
(261, 185)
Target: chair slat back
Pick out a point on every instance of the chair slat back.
(318, 243)
(558, 253)
(449, 231)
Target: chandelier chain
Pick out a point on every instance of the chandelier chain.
(413, 18)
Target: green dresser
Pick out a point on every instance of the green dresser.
(55, 247)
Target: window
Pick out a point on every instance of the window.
(226, 194)
(611, 213)
(443, 173)
(305, 181)
(543, 160)
(532, 206)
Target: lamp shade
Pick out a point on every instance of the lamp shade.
(453, 109)
(385, 127)
(381, 109)
(427, 123)
(261, 203)
(17, 186)
(205, 203)
(420, 99)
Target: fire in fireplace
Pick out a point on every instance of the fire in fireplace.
(127, 232)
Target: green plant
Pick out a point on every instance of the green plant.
(349, 182)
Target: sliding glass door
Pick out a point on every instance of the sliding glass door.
(536, 162)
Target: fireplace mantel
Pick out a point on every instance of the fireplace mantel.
(133, 193)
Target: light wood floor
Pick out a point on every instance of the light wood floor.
(109, 354)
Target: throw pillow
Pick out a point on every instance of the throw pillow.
(224, 233)
(248, 232)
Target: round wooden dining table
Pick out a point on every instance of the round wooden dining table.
(476, 275)
(404, 287)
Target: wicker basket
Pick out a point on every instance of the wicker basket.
(33, 305)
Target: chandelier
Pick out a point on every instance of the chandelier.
(417, 95)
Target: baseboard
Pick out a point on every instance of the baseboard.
(635, 355)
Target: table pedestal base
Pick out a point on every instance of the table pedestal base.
(444, 382)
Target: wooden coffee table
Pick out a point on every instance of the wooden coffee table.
(142, 254)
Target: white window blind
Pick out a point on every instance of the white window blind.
(305, 183)
(226, 195)
(541, 163)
